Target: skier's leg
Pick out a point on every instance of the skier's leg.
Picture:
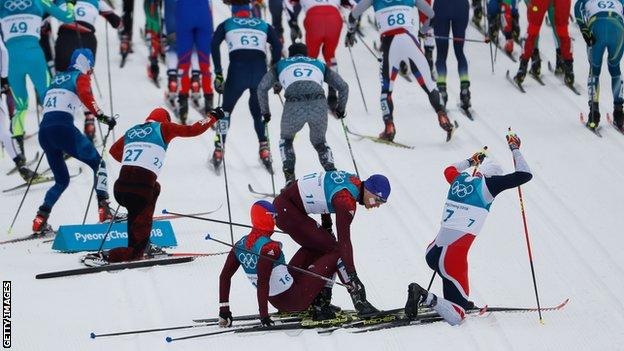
(314, 25)
(293, 120)
(389, 68)
(203, 42)
(441, 28)
(49, 139)
(459, 24)
(420, 70)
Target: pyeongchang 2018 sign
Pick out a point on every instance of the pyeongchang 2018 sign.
(88, 237)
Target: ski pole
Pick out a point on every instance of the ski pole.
(357, 76)
(143, 331)
(528, 242)
(280, 99)
(102, 154)
(77, 29)
(266, 133)
(305, 271)
(110, 86)
(487, 23)
(431, 281)
(212, 220)
(110, 225)
(344, 129)
(483, 41)
(97, 85)
(19, 208)
(227, 190)
(368, 47)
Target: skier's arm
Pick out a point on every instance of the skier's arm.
(426, 10)
(4, 60)
(172, 130)
(276, 45)
(344, 204)
(217, 39)
(451, 172)
(57, 12)
(579, 6)
(265, 267)
(117, 149)
(359, 9)
(335, 81)
(497, 184)
(225, 278)
(107, 12)
(267, 82)
(83, 88)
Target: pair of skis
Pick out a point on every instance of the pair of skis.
(39, 179)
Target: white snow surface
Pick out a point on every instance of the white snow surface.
(573, 207)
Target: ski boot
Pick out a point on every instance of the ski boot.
(509, 46)
(493, 28)
(536, 63)
(208, 103)
(153, 70)
(444, 122)
(217, 156)
(443, 93)
(182, 107)
(362, 306)
(618, 117)
(195, 89)
(593, 118)
(559, 63)
(332, 100)
(40, 224)
(265, 156)
(153, 251)
(172, 87)
(429, 56)
(477, 13)
(515, 27)
(106, 214)
(568, 72)
(389, 131)
(464, 95)
(89, 126)
(321, 308)
(522, 71)
(97, 259)
(416, 295)
(26, 173)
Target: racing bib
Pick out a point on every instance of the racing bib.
(592, 7)
(463, 217)
(86, 12)
(246, 38)
(312, 192)
(300, 71)
(145, 155)
(21, 25)
(61, 100)
(394, 17)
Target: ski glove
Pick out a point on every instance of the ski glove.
(514, 141)
(588, 36)
(477, 158)
(266, 118)
(340, 114)
(111, 122)
(350, 39)
(225, 319)
(295, 31)
(217, 113)
(219, 83)
(266, 321)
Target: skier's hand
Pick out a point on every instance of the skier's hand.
(4, 85)
(277, 88)
(225, 318)
(219, 83)
(340, 114)
(477, 158)
(350, 39)
(266, 321)
(588, 36)
(217, 113)
(513, 141)
(266, 118)
(111, 122)
(295, 31)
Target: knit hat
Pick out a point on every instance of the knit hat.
(82, 60)
(297, 49)
(159, 114)
(378, 185)
(263, 216)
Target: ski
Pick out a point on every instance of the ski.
(27, 164)
(574, 87)
(612, 123)
(39, 180)
(115, 267)
(379, 140)
(449, 134)
(553, 70)
(33, 236)
(514, 83)
(537, 78)
(468, 112)
(596, 130)
(251, 190)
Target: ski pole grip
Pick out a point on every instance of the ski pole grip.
(164, 211)
(208, 237)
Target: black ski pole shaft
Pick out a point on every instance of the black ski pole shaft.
(84, 219)
(110, 225)
(19, 208)
(143, 331)
(344, 129)
(482, 41)
(97, 85)
(227, 190)
(280, 99)
(212, 220)
(357, 76)
(487, 20)
(266, 132)
(304, 271)
(368, 47)
(431, 281)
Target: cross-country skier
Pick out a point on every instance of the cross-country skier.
(396, 21)
(21, 23)
(302, 78)
(452, 15)
(246, 39)
(5, 131)
(153, 37)
(141, 151)
(82, 34)
(324, 193)
(467, 206)
(194, 30)
(323, 24)
(535, 13)
(125, 34)
(602, 26)
(293, 9)
(57, 135)
(285, 288)
(503, 15)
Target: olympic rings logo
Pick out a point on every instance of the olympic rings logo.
(248, 260)
(461, 190)
(246, 21)
(61, 78)
(139, 133)
(338, 176)
(21, 5)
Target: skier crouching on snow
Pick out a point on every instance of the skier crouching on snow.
(143, 148)
(302, 78)
(285, 288)
(326, 193)
(467, 206)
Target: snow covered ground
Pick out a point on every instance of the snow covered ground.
(573, 208)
